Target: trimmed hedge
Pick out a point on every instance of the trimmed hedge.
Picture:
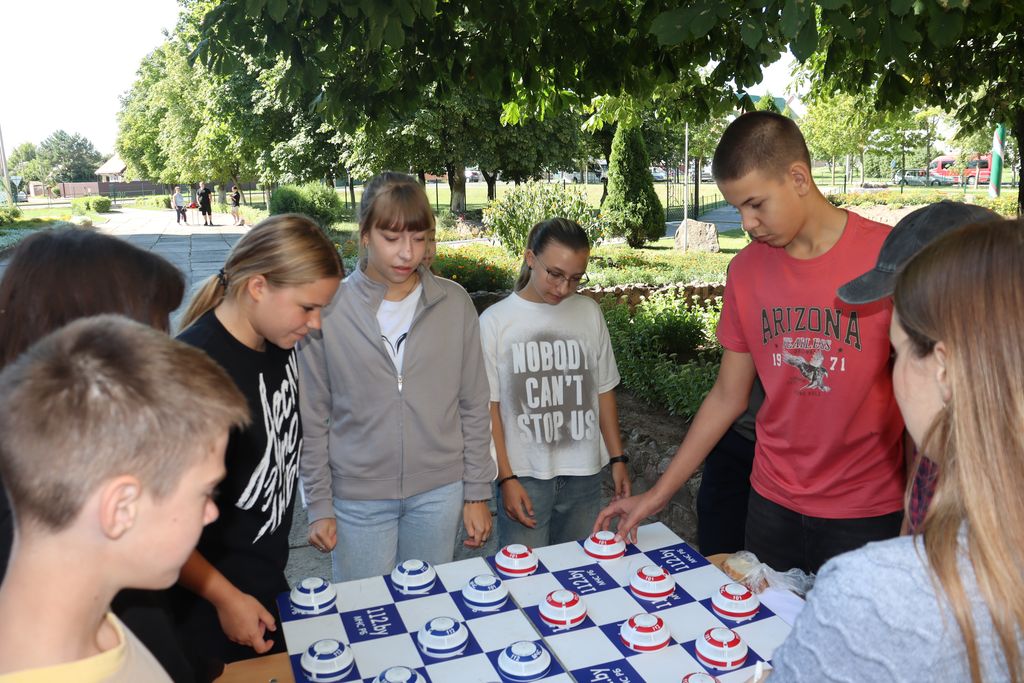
(155, 201)
(96, 204)
(1005, 204)
(316, 200)
(666, 350)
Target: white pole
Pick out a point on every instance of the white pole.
(3, 168)
(686, 190)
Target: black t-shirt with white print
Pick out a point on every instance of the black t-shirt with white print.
(248, 543)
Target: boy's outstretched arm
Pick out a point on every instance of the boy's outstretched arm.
(726, 402)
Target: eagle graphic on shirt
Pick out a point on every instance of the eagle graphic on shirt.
(813, 370)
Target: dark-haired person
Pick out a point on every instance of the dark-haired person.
(205, 196)
(236, 201)
(396, 446)
(54, 278)
(552, 373)
(828, 472)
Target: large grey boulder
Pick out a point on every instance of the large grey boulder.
(700, 237)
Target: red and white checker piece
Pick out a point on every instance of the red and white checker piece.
(516, 560)
(735, 601)
(563, 608)
(721, 648)
(644, 632)
(652, 583)
(604, 545)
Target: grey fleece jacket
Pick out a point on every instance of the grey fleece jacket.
(370, 434)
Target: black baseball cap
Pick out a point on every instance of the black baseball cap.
(917, 229)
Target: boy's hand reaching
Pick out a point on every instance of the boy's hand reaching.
(630, 512)
(246, 622)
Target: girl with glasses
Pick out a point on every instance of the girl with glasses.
(552, 373)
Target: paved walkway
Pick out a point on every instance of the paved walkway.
(725, 218)
(197, 250)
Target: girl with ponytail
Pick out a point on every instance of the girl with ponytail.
(552, 374)
(249, 317)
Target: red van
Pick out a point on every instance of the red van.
(977, 170)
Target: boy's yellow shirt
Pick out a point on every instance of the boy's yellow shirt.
(129, 662)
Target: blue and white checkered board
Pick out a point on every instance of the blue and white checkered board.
(380, 624)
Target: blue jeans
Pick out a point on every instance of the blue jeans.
(564, 507)
(375, 535)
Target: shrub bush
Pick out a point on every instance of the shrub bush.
(652, 344)
(8, 213)
(1005, 203)
(97, 204)
(617, 265)
(155, 201)
(316, 200)
(632, 208)
(511, 217)
(478, 268)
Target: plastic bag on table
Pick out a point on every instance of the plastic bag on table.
(744, 567)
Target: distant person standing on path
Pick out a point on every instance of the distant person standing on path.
(179, 206)
(205, 207)
(236, 200)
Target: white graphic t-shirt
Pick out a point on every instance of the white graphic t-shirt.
(395, 319)
(546, 366)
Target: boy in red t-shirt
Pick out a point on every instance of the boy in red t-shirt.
(828, 471)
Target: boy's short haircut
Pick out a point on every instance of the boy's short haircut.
(759, 141)
(103, 397)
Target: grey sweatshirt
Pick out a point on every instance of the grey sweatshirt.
(372, 434)
(874, 615)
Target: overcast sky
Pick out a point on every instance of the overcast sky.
(67, 63)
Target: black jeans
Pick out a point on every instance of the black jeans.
(723, 494)
(782, 538)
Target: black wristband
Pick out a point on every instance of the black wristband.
(504, 479)
(621, 458)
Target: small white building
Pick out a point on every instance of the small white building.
(112, 170)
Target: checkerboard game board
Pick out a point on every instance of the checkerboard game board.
(380, 624)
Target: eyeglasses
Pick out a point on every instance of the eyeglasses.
(556, 278)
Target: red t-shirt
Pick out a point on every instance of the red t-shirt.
(829, 433)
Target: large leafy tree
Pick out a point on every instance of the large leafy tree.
(966, 58)
(64, 158)
(358, 60)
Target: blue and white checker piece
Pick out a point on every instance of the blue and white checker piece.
(485, 593)
(414, 577)
(398, 674)
(524, 661)
(313, 596)
(327, 661)
(443, 637)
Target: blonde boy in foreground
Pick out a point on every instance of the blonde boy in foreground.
(112, 443)
(828, 465)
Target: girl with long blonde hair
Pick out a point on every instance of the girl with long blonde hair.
(946, 604)
(249, 317)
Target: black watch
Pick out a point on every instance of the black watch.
(620, 458)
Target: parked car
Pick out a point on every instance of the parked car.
(22, 197)
(940, 179)
(596, 170)
(911, 177)
(658, 174)
(473, 175)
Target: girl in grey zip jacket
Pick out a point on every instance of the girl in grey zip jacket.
(372, 434)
